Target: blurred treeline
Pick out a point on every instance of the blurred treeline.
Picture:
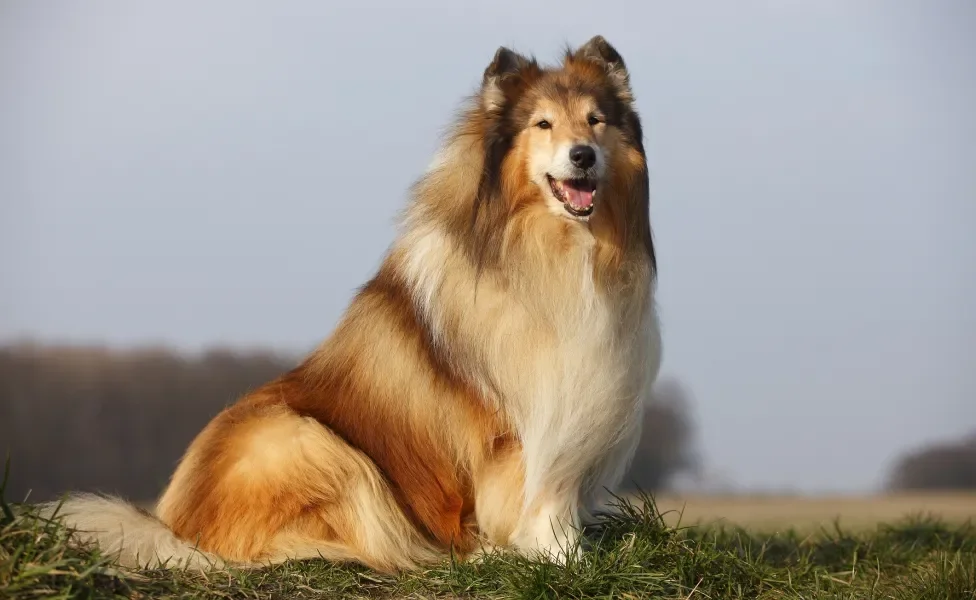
(949, 465)
(86, 418)
(93, 419)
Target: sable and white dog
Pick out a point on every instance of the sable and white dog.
(485, 386)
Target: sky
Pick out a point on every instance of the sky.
(228, 173)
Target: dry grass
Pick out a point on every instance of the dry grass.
(809, 513)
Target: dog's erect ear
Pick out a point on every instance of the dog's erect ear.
(506, 62)
(500, 77)
(599, 50)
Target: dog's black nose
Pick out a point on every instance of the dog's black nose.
(582, 156)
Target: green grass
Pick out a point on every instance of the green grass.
(635, 555)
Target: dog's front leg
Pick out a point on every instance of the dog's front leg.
(550, 526)
(608, 473)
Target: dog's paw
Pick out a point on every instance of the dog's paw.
(483, 552)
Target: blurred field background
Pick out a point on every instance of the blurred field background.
(816, 514)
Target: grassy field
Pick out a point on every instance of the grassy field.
(888, 552)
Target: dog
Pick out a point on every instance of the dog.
(483, 390)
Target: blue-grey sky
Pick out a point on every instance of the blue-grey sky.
(229, 172)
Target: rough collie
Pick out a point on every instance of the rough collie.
(483, 389)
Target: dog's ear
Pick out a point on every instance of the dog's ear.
(599, 50)
(503, 76)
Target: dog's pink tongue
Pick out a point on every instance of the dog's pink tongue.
(579, 198)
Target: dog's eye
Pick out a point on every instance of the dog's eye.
(593, 120)
(544, 125)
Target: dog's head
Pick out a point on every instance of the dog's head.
(557, 136)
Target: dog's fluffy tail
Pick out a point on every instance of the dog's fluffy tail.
(125, 532)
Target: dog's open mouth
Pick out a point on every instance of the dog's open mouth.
(575, 194)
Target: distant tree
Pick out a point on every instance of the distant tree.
(666, 447)
(944, 466)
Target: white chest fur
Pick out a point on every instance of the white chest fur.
(567, 361)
